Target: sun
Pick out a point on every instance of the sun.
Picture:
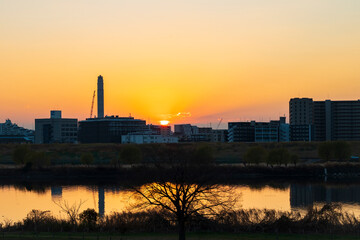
(164, 122)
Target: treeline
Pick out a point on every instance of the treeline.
(279, 156)
(128, 154)
(329, 219)
(339, 151)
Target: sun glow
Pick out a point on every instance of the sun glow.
(164, 122)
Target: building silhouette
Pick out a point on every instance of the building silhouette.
(101, 203)
(109, 129)
(56, 193)
(190, 133)
(56, 129)
(100, 97)
(273, 131)
(12, 133)
(303, 195)
(324, 120)
(159, 130)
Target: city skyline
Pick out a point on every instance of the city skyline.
(206, 60)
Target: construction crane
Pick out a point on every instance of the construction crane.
(219, 124)
(92, 105)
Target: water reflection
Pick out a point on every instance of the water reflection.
(309, 194)
(56, 193)
(101, 202)
(16, 201)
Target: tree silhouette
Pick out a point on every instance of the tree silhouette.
(184, 193)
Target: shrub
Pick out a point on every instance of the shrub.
(19, 154)
(131, 154)
(342, 150)
(87, 158)
(37, 159)
(294, 159)
(325, 151)
(203, 154)
(255, 155)
(36, 219)
(278, 156)
(88, 218)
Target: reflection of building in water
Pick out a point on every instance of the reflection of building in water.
(56, 193)
(101, 201)
(306, 195)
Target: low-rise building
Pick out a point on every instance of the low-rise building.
(56, 129)
(146, 138)
(241, 131)
(12, 133)
(162, 130)
(189, 133)
(273, 131)
(109, 129)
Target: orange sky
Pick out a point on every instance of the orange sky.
(230, 59)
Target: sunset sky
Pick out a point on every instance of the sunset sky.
(232, 59)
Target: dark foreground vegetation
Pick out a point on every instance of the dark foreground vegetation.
(329, 219)
(169, 236)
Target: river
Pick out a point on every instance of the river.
(16, 201)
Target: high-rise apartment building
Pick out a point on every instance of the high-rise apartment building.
(326, 120)
(301, 111)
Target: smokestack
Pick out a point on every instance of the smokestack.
(100, 95)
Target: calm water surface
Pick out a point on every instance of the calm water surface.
(16, 202)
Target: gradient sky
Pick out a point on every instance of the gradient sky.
(230, 59)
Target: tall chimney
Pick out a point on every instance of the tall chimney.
(100, 95)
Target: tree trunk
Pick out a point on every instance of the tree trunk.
(181, 229)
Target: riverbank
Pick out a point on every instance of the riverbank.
(148, 173)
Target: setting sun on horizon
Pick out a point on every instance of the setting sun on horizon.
(164, 122)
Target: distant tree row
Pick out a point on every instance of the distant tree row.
(338, 150)
(131, 154)
(198, 154)
(23, 155)
(128, 154)
(278, 156)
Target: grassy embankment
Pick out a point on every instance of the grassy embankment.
(103, 153)
(64, 161)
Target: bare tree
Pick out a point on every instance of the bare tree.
(184, 194)
(72, 211)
